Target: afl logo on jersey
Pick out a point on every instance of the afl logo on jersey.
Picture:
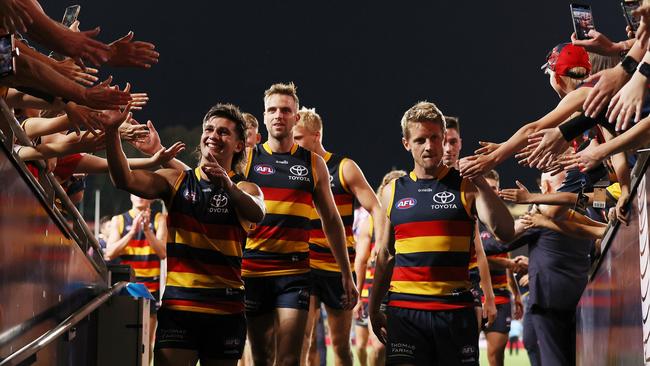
(264, 169)
(189, 195)
(406, 203)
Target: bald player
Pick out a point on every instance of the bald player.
(348, 184)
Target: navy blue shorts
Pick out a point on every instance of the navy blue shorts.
(154, 305)
(327, 286)
(218, 337)
(420, 337)
(502, 322)
(264, 294)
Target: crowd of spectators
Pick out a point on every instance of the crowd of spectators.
(585, 146)
(58, 99)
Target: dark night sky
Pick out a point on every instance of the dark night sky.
(361, 64)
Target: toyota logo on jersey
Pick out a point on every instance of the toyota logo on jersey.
(406, 203)
(299, 173)
(219, 200)
(299, 170)
(443, 197)
(264, 169)
(443, 200)
(218, 204)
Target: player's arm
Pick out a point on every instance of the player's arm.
(158, 241)
(142, 183)
(249, 201)
(489, 308)
(333, 228)
(490, 209)
(362, 251)
(364, 194)
(518, 311)
(383, 270)
(115, 244)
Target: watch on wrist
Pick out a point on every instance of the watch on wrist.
(644, 69)
(629, 64)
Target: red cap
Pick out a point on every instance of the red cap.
(566, 56)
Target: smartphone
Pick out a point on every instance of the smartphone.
(70, 15)
(7, 53)
(583, 20)
(628, 7)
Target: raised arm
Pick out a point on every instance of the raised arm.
(334, 230)
(477, 165)
(142, 183)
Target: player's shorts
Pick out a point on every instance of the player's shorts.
(421, 337)
(477, 292)
(327, 286)
(264, 294)
(154, 305)
(213, 336)
(502, 322)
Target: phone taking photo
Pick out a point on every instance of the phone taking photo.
(583, 20)
(628, 7)
(70, 16)
(7, 53)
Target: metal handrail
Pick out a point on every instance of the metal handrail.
(642, 163)
(41, 342)
(85, 235)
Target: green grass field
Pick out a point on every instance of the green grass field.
(514, 360)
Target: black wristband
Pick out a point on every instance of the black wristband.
(644, 69)
(629, 65)
(577, 125)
